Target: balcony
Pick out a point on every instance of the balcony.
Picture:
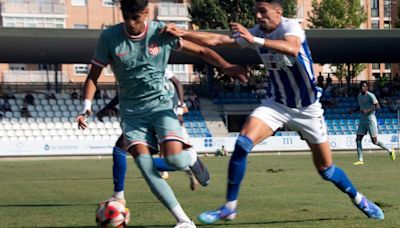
(173, 12)
(16, 76)
(56, 7)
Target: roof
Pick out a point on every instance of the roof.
(41, 45)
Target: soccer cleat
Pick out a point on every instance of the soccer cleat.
(210, 217)
(200, 172)
(185, 224)
(113, 198)
(358, 163)
(192, 179)
(393, 154)
(370, 209)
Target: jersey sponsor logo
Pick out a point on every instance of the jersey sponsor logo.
(154, 49)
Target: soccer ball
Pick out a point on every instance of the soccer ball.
(112, 214)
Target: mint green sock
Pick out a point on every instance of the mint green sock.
(158, 186)
(383, 146)
(359, 151)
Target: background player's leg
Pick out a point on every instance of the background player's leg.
(359, 150)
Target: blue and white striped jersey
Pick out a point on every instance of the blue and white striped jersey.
(292, 80)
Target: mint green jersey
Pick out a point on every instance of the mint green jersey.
(138, 64)
(367, 101)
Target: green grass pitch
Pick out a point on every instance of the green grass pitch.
(278, 191)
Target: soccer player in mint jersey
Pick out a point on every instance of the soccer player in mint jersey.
(175, 91)
(368, 104)
(138, 52)
(292, 100)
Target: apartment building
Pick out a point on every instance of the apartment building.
(79, 14)
(381, 14)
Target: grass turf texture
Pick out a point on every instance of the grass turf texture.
(278, 191)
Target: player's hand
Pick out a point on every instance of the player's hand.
(173, 30)
(241, 31)
(82, 123)
(180, 118)
(236, 71)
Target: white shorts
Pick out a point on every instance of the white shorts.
(308, 121)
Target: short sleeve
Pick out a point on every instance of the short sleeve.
(293, 28)
(373, 98)
(101, 55)
(172, 41)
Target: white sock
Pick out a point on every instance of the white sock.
(119, 195)
(179, 214)
(358, 198)
(231, 205)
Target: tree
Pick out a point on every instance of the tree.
(213, 14)
(344, 15)
(337, 14)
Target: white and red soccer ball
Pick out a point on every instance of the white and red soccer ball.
(112, 214)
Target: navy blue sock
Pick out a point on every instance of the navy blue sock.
(161, 165)
(339, 178)
(237, 166)
(119, 169)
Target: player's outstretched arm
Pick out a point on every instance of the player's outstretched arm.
(202, 38)
(213, 58)
(90, 89)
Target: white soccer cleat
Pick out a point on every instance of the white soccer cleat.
(185, 224)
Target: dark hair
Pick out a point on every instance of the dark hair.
(363, 83)
(133, 6)
(279, 2)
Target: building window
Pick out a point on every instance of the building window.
(375, 66)
(78, 2)
(45, 67)
(80, 26)
(37, 22)
(374, 24)
(388, 66)
(81, 69)
(374, 8)
(17, 66)
(108, 2)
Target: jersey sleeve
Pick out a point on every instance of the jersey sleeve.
(373, 98)
(172, 41)
(293, 28)
(101, 55)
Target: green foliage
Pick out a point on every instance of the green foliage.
(290, 8)
(213, 14)
(341, 15)
(337, 14)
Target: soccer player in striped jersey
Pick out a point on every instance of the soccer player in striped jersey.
(292, 100)
(368, 123)
(138, 53)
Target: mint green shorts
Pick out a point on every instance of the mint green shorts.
(370, 127)
(152, 129)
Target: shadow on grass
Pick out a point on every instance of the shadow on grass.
(244, 224)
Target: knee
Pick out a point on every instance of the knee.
(327, 173)
(175, 162)
(375, 141)
(243, 146)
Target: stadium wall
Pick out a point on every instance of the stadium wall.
(202, 145)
